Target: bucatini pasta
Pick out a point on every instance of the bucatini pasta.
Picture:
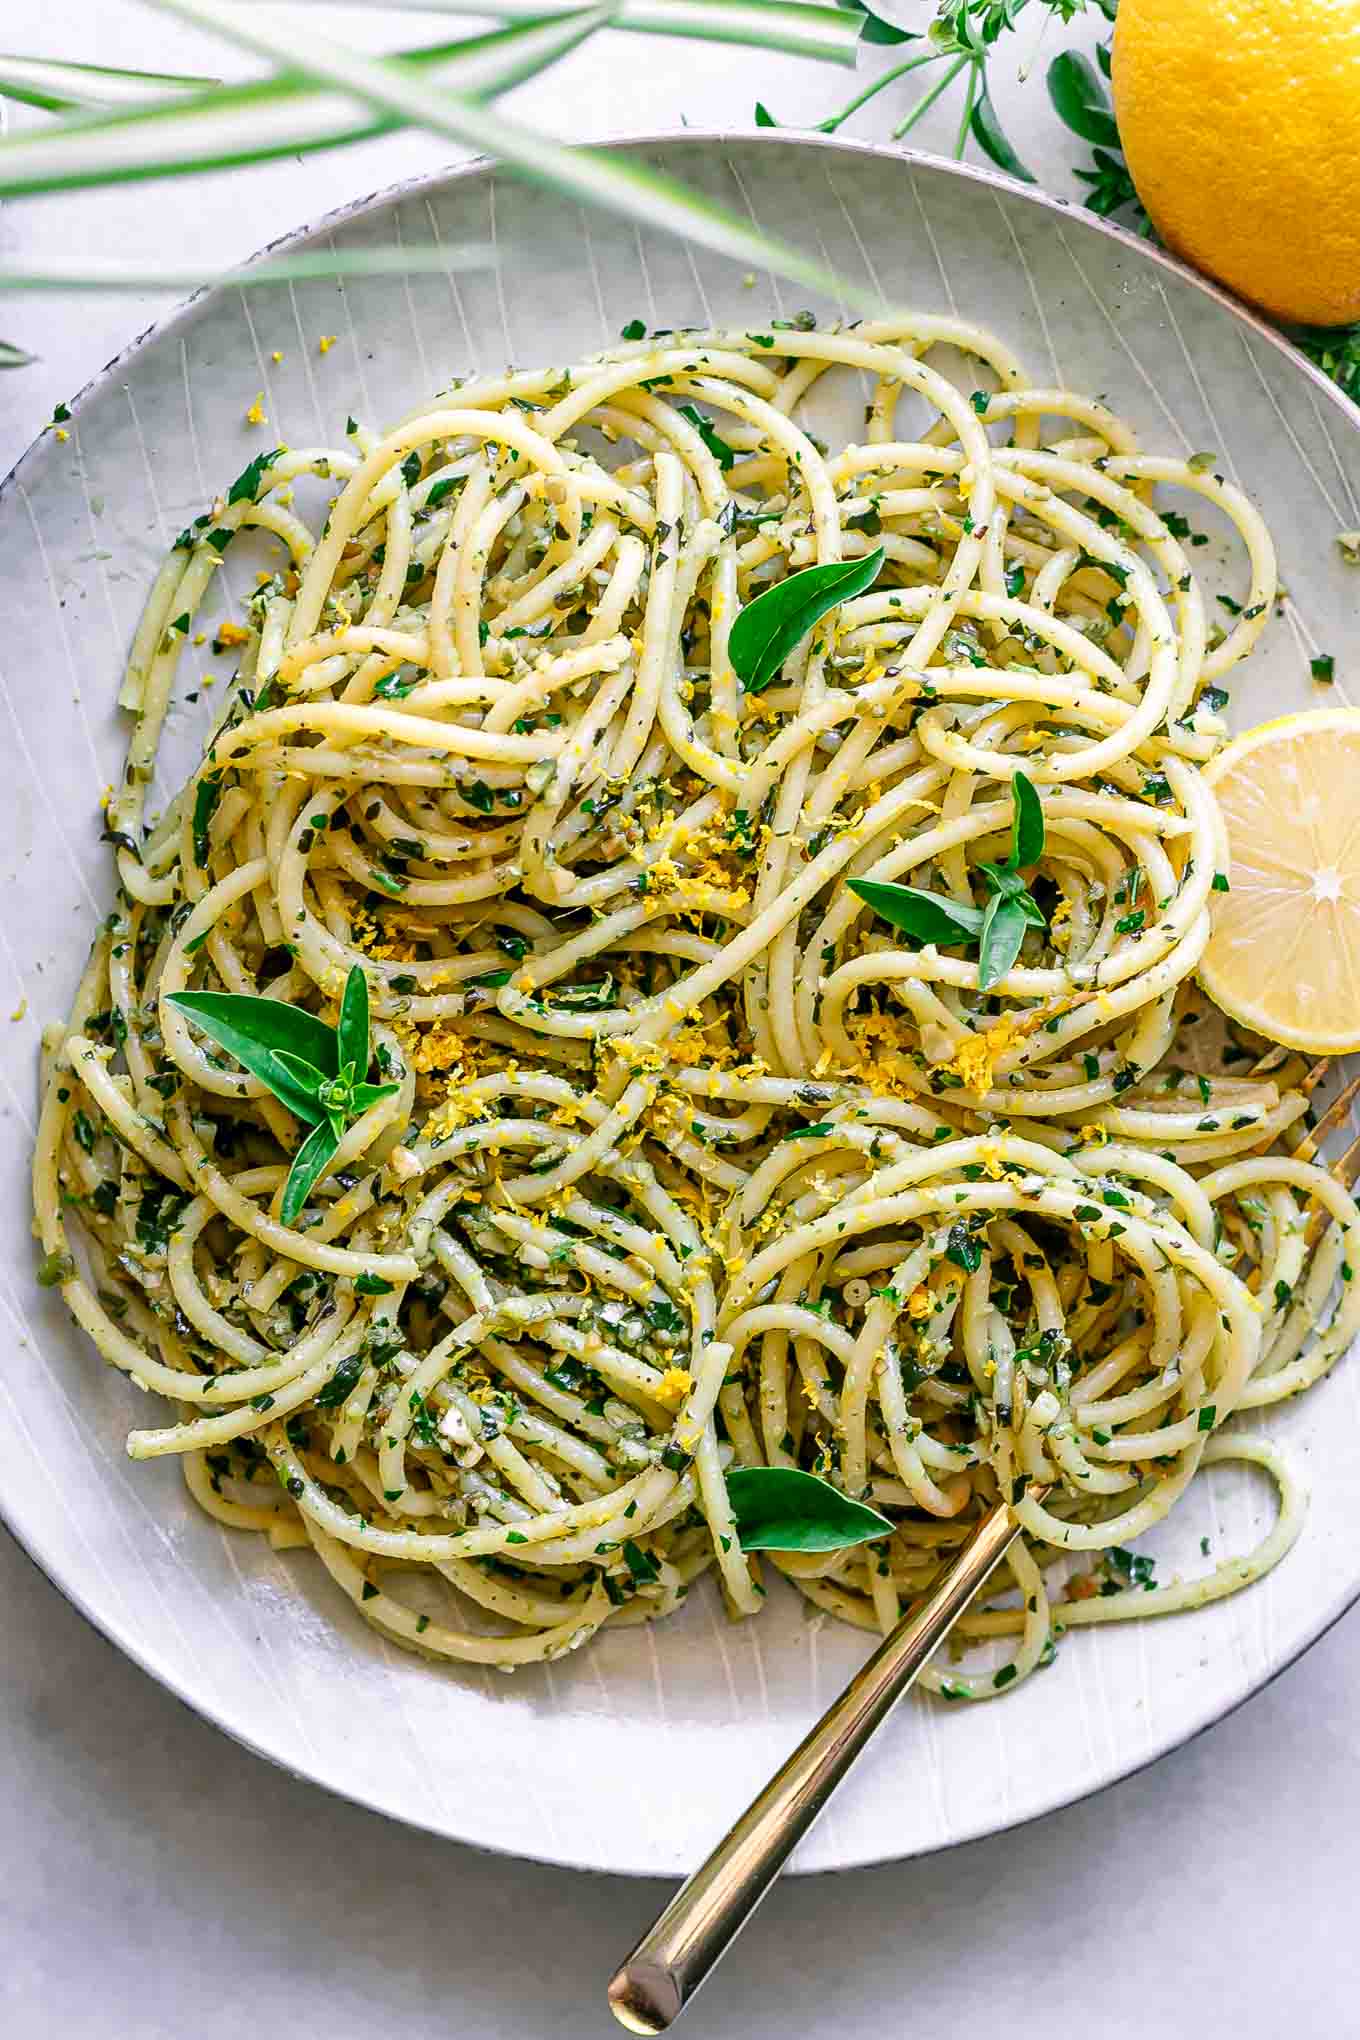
(686, 1156)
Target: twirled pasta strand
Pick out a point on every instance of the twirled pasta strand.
(691, 1158)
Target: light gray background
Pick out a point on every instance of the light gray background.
(157, 1883)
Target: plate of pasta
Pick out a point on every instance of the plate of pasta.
(609, 874)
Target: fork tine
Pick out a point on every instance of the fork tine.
(1276, 1061)
(1335, 1116)
(1345, 1168)
(1277, 1058)
(1309, 1083)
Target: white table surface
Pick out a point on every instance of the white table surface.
(158, 1883)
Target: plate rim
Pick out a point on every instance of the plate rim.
(633, 142)
(656, 138)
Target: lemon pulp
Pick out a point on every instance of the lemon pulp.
(1284, 954)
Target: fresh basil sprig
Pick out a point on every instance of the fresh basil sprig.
(775, 624)
(925, 916)
(999, 927)
(1012, 908)
(780, 1508)
(319, 1072)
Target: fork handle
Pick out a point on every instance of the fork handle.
(675, 1955)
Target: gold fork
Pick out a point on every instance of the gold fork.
(656, 1981)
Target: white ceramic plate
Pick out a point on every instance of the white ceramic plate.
(636, 1754)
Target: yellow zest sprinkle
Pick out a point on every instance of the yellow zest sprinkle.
(975, 1060)
(325, 343)
(255, 415)
(674, 1385)
(456, 1111)
(989, 1155)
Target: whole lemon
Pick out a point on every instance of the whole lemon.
(1240, 120)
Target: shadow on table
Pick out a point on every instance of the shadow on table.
(157, 1882)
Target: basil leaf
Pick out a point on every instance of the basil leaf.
(876, 29)
(1080, 100)
(1027, 823)
(239, 1019)
(342, 1383)
(308, 1163)
(365, 1095)
(1031, 909)
(206, 796)
(246, 487)
(775, 624)
(1003, 930)
(305, 1075)
(373, 1285)
(252, 1030)
(817, 1132)
(642, 1566)
(351, 1036)
(1003, 879)
(712, 439)
(991, 139)
(780, 1508)
(925, 916)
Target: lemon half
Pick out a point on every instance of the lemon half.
(1284, 954)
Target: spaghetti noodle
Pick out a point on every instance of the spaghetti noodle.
(692, 1159)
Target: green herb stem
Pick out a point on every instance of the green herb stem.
(975, 73)
(927, 99)
(877, 85)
